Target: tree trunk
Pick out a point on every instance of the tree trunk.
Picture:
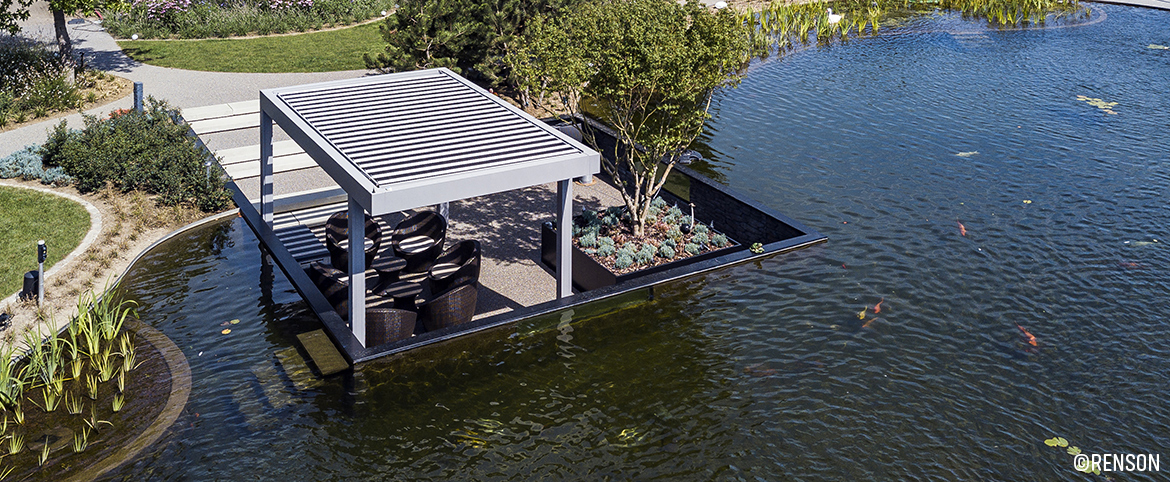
(64, 43)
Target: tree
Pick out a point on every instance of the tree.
(11, 12)
(654, 65)
(423, 34)
(472, 37)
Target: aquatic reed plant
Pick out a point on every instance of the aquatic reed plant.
(18, 413)
(44, 455)
(6, 472)
(15, 444)
(73, 404)
(121, 381)
(118, 402)
(11, 382)
(93, 421)
(105, 365)
(91, 385)
(80, 440)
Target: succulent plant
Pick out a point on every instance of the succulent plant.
(623, 261)
(658, 202)
(719, 240)
(605, 241)
(645, 255)
(674, 211)
(625, 251)
(670, 242)
(700, 239)
(588, 240)
(609, 220)
(666, 251)
(606, 250)
(674, 232)
(692, 248)
(700, 228)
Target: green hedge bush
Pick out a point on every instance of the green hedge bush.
(148, 151)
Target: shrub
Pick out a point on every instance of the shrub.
(674, 232)
(700, 239)
(719, 240)
(623, 261)
(670, 242)
(674, 211)
(606, 250)
(700, 228)
(605, 241)
(147, 151)
(658, 202)
(692, 248)
(666, 251)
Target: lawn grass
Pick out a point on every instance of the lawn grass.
(312, 52)
(27, 216)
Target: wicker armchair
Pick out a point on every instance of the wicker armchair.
(385, 325)
(456, 307)
(456, 267)
(332, 284)
(337, 239)
(419, 239)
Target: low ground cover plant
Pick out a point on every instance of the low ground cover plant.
(145, 151)
(191, 19)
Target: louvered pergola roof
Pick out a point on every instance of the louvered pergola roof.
(400, 141)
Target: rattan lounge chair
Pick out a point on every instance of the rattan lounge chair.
(331, 282)
(385, 325)
(456, 267)
(456, 307)
(337, 239)
(419, 239)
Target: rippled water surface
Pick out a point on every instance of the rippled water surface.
(765, 371)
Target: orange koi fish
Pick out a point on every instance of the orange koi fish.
(1031, 339)
(962, 229)
(878, 307)
(871, 320)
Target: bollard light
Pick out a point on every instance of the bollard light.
(42, 255)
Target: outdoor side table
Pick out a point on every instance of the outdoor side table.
(388, 268)
(404, 293)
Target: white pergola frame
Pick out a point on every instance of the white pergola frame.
(401, 141)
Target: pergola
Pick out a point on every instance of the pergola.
(401, 141)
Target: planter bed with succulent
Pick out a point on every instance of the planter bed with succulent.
(607, 251)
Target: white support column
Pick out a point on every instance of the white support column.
(266, 196)
(564, 238)
(357, 270)
(445, 211)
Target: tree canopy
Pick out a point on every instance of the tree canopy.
(653, 65)
(469, 36)
(12, 12)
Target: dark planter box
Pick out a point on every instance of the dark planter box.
(588, 274)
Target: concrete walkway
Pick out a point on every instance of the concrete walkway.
(181, 88)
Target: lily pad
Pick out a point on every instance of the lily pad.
(1074, 450)
(235, 321)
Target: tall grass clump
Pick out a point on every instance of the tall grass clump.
(147, 151)
(781, 25)
(193, 19)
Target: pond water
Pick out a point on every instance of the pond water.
(893, 146)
